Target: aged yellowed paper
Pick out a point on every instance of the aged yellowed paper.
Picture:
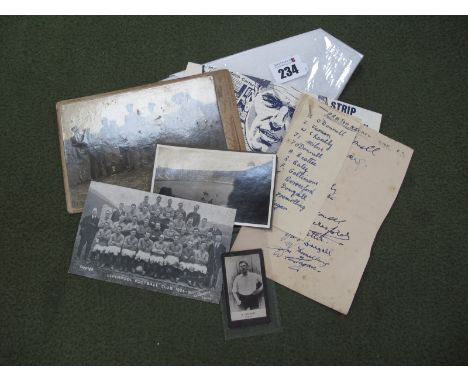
(328, 265)
(309, 159)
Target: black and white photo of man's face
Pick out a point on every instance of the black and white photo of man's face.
(243, 268)
(267, 121)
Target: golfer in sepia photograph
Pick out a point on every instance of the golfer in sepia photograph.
(139, 239)
(244, 276)
(240, 180)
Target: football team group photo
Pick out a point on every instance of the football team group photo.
(164, 238)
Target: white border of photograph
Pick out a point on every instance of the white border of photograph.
(272, 187)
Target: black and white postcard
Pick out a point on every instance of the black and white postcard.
(240, 180)
(245, 288)
(152, 241)
(112, 137)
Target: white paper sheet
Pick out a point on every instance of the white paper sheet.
(328, 265)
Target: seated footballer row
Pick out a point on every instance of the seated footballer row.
(156, 241)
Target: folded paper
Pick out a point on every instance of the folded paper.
(328, 264)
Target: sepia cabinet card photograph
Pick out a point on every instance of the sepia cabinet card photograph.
(112, 137)
(240, 180)
(245, 288)
(151, 241)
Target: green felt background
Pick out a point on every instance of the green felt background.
(411, 306)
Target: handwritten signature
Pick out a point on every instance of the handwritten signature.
(301, 260)
(333, 234)
(306, 261)
(369, 149)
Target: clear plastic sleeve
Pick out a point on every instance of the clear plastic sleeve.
(329, 62)
(274, 326)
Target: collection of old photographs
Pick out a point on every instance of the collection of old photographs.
(112, 137)
(163, 173)
(153, 242)
(156, 216)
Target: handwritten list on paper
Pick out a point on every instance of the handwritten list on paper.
(309, 160)
(328, 264)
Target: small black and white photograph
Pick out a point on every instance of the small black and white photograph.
(245, 288)
(152, 241)
(112, 137)
(240, 180)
